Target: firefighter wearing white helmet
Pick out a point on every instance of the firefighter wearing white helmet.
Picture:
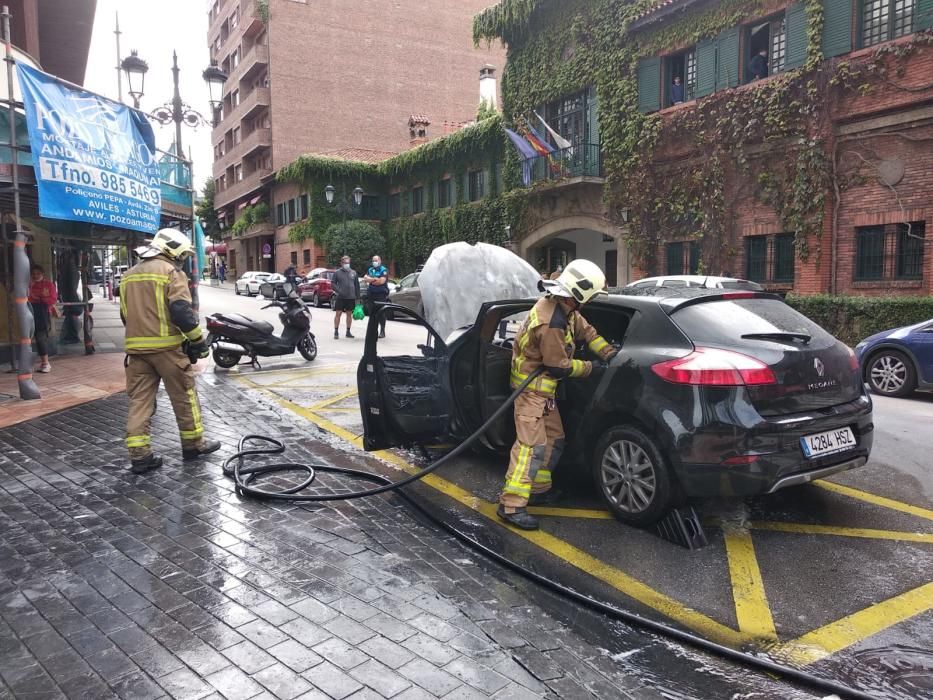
(547, 339)
(155, 306)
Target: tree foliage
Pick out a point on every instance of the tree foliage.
(359, 240)
(206, 212)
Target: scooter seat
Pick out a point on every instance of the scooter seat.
(240, 320)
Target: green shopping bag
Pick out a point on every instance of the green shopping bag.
(358, 312)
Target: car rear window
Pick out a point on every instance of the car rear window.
(727, 320)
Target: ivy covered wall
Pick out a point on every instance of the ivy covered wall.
(679, 174)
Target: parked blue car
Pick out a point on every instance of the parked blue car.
(898, 361)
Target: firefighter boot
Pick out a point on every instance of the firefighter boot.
(204, 447)
(145, 464)
(521, 518)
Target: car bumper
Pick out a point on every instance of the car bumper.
(780, 460)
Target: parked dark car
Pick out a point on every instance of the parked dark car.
(898, 361)
(317, 288)
(712, 393)
(272, 287)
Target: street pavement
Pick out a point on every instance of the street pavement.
(834, 577)
(171, 585)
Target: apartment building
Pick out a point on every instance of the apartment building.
(326, 77)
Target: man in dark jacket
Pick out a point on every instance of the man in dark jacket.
(378, 291)
(346, 286)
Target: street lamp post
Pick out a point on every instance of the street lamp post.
(180, 113)
(345, 204)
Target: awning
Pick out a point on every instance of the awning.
(219, 249)
(243, 205)
(255, 199)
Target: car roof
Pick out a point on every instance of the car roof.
(697, 279)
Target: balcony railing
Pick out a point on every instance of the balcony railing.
(582, 160)
(251, 103)
(251, 181)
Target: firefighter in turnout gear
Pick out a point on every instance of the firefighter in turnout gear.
(155, 306)
(547, 339)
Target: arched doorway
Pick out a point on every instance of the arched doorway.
(561, 240)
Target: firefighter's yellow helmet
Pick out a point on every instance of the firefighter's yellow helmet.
(169, 242)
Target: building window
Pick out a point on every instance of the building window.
(443, 193)
(572, 117)
(883, 20)
(303, 206)
(417, 200)
(236, 135)
(280, 213)
(306, 257)
(294, 257)
(681, 75)
(292, 210)
(756, 258)
(395, 205)
(237, 173)
(894, 251)
(782, 264)
(477, 185)
(694, 266)
(675, 258)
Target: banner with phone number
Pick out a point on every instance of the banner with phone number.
(95, 159)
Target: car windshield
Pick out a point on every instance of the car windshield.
(728, 320)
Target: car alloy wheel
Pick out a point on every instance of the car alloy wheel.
(632, 476)
(890, 373)
(316, 301)
(628, 476)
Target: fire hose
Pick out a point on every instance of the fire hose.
(244, 478)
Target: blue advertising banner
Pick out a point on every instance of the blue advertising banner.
(94, 158)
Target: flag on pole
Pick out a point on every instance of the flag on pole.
(561, 142)
(538, 142)
(526, 151)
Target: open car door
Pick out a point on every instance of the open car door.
(404, 399)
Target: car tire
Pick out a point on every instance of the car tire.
(316, 301)
(891, 373)
(632, 476)
(236, 289)
(333, 302)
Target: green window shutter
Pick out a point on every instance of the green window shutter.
(727, 59)
(837, 27)
(706, 67)
(649, 85)
(796, 24)
(923, 17)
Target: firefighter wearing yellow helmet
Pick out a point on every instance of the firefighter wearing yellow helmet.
(547, 339)
(155, 306)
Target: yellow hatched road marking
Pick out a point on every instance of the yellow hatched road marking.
(805, 529)
(628, 585)
(876, 500)
(334, 399)
(748, 588)
(827, 640)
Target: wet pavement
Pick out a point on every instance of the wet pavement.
(170, 585)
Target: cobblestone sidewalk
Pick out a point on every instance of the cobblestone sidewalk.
(170, 585)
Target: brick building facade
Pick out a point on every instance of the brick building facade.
(323, 77)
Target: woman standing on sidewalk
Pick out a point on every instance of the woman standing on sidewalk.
(43, 296)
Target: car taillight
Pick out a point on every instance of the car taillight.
(739, 295)
(715, 367)
(853, 359)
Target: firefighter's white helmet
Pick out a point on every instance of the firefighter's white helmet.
(169, 242)
(581, 280)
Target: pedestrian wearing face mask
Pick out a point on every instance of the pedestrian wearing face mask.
(378, 278)
(346, 286)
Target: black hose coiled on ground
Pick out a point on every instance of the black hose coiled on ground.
(245, 476)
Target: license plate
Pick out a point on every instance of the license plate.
(830, 442)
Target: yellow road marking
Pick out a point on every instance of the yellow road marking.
(876, 500)
(571, 513)
(748, 589)
(334, 399)
(628, 585)
(827, 640)
(805, 529)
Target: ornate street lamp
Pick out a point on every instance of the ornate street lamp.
(215, 79)
(135, 69)
(345, 204)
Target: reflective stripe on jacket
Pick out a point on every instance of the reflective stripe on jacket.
(146, 293)
(547, 338)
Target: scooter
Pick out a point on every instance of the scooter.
(234, 335)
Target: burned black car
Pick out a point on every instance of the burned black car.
(712, 394)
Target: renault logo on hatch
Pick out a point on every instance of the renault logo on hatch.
(819, 367)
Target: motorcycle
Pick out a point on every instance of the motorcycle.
(235, 335)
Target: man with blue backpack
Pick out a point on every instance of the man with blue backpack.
(378, 278)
